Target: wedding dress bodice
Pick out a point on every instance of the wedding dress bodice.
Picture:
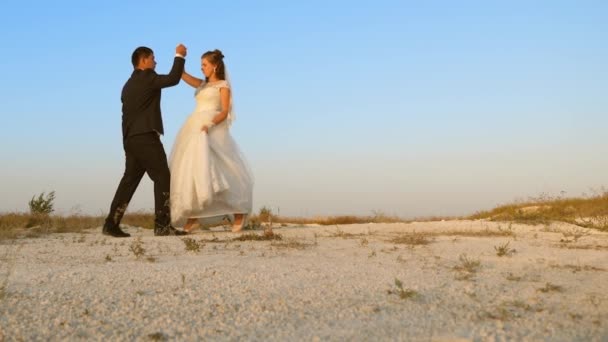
(208, 96)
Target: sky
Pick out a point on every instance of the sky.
(408, 108)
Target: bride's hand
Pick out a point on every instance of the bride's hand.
(207, 127)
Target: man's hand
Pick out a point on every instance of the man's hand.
(181, 49)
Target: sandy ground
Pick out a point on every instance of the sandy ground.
(365, 282)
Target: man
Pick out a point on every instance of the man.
(142, 126)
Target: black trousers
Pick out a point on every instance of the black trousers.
(144, 154)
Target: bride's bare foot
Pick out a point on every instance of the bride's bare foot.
(239, 223)
(190, 225)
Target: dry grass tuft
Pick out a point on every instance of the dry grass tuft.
(268, 235)
(592, 247)
(192, 245)
(376, 217)
(467, 267)
(344, 235)
(141, 219)
(500, 232)
(18, 225)
(579, 268)
(292, 244)
(550, 288)
(510, 310)
(403, 293)
(573, 235)
(412, 239)
(137, 248)
(504, 250)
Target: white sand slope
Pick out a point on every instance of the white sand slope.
(319, 283)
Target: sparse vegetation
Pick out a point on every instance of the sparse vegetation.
(467, 267)
(588, 211)
(511, 309)
(467, 264)
(292, 244)
(551, 288)
(412, 239)
(401, 292)
(504, 250)
(579, 268)
(17, 225)
(43, 205)
(268, 235)
(137, 247)
(500, 232)
(266, 215)
(376, 217)
(512, 277)
(573, 235)
(158, 337)
(191, 244)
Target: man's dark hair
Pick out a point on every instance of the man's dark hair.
(139, 53)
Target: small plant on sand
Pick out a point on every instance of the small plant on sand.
(507, 231)
(412, 239)
(401, 292)
(512, 277)
(573, 235)
(467, 264)
(551, 288)
(158, 336)
(40, 211)
(504, 250)
(341, 234)
(43, 205)
(291, 244)
(268, 235)
(511, 309)
(137, 247)
(191, 244)
(265, 215)
(467, 267)
(580, 268)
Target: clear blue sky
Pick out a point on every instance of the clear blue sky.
(412, 108)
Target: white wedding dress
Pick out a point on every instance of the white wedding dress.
(209, 174)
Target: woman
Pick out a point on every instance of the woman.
(209, 175)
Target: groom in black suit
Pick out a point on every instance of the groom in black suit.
(142, 126)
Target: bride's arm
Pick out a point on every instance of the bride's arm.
(225, 100)
(191, 80)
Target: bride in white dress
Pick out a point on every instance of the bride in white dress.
(209, 174)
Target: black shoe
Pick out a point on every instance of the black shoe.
(114, 231)
(168, 231)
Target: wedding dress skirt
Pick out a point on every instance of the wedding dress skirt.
(209, 174)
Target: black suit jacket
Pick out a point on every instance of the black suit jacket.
(141, 99)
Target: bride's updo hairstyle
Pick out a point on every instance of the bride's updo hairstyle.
(216, 57)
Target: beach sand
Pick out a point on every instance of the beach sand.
(421, 281)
